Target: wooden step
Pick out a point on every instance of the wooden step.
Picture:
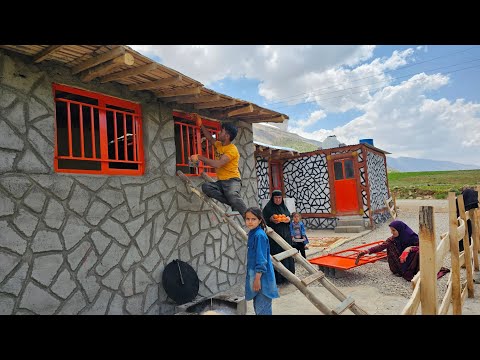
(231, 213)
(311, 278)
(344, 305)
(285, 254)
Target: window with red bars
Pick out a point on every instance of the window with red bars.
(96, 133)
(189, 140)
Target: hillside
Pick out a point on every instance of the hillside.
(431, 184)
(271, 135)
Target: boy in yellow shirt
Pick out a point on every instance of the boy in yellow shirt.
(227, 188)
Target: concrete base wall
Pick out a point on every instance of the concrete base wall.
(95, 244)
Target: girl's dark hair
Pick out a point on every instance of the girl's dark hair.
(258, 214)
(297, 213)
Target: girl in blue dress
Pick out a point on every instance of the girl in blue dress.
(260, 285)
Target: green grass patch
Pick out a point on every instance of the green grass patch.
(435, 184)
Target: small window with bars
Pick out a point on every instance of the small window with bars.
(189, 140)
(96, 134)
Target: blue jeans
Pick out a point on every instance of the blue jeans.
(227, 192)
(262, 304)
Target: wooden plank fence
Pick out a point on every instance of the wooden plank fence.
(432, 257)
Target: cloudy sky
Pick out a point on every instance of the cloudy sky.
(420, 101)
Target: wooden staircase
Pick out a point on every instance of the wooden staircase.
(301, 284)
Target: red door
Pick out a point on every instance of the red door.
(345, 186)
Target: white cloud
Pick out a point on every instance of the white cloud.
(272, 64)
(312, 119)
(403, 121)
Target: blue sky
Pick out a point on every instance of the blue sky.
(420, 101)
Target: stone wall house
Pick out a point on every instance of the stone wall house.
(328, 184)
(91, 208)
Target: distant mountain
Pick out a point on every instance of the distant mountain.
(406, 164)
(269, 134)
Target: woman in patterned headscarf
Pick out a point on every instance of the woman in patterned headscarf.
(276, 206)
(402, 250)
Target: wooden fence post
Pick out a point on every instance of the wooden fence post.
(428, 277)
(454, 254)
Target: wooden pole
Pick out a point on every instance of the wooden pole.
(455, 254)
(428, 278)
(298, 283)
(217, 208)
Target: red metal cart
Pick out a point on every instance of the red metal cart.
(345, 259)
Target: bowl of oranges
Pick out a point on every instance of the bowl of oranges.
(281, 217)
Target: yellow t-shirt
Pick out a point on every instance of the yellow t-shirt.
(230, 169)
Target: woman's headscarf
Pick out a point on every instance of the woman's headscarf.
(272, 208)
(406, 236)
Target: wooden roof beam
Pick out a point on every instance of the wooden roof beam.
(198, 99)
(280, 118)
(215, 104)
(105, 68)
(243, 110)
(42, 55)
(109, 55)
(156, 84)
(129, 72)
(179, 92)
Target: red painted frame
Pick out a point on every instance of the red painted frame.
(195, 147)
(279, 175)
(103, 101)
(345, 259)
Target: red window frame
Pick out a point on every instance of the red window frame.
(276, 176)
(193, 143)
(100, 154)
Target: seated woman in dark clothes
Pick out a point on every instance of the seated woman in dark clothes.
(402, 250)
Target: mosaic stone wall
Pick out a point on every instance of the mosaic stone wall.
(306, 180)
(262, 179)
(377, 180)
(97, 244)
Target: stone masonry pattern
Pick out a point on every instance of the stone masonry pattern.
(377, 177)
(96, 244)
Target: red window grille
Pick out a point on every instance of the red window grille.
(96, 133)
(189, 140)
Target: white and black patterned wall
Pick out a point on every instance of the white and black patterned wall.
(363, 182)
(262, 179)
(306, 180)
(377, 178)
